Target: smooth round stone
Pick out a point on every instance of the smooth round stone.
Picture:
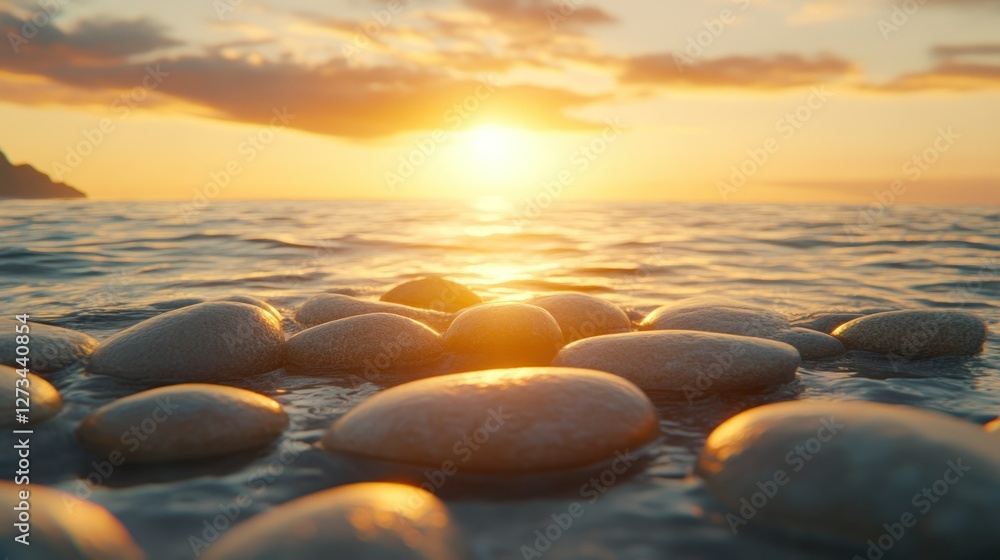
(582, 316)
(696, 363)
(502, 421)
(915, 334)
(357, 521)
(62, 526)
(365, 344)
(848, 469)
(825, 322)
(50, 349)
(183, 422)
(203, 342)
(323, 308)
(44, 401)
(503, 334)
(812, 345)
(715, 314)
(434, 293)
(256, 302)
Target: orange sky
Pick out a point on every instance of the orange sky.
(724, 101)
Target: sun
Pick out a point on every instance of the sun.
(493, 144)
(492, 159)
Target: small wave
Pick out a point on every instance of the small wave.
(547, 286)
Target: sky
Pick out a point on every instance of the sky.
(730, 101)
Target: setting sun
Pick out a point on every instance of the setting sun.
(493, 145)
(500, 160)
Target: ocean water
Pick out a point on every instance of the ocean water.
(99, 267)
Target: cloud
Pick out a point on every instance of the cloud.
(93, 40)
(947, 76)
(332, 98)
(780, 71)
(540, 14)
(966, 50)
(964, 3)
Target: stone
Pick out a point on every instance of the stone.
(183, 422)
(825, 322)
(500, 421)
(582, 316)
(50, 348)
(863, 472)
(916, 334)
(359, 521)
(62, 526)
(256, 302)
(715, 314)
(43, 401)
(503, 334)
(364, 344)
(323, 308)
(203, 342)
(693, 362)
(433, 292)
(812, 345)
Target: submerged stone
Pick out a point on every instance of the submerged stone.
(695, 363)
(715, 314)
(433, 292)
(364, 344)
(916, 334)
(323, 308)
(812, 345)
(503, 421)
(183, 422)
(825, 322)
(921, 483)
(582, 316)
(357, 521)
(203, 342)
(50, 348)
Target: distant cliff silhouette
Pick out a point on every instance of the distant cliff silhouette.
(24, 181)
